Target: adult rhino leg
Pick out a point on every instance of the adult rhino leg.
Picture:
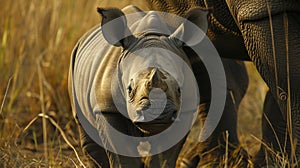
(271, 34)
(274, 133)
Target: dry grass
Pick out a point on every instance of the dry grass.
(36, 125)
(37, 37)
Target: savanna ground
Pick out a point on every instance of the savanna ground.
(36, 39)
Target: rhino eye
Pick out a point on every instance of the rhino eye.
(179, 90)
(129, 89)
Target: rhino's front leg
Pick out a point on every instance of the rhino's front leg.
(96, 154)
(125, 126)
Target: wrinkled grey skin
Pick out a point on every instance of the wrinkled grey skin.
(266, 32)
(81, 74)
(94, 61)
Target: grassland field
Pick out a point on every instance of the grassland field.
(36, 40)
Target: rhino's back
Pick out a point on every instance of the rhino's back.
(93, 63)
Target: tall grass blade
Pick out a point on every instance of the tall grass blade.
(273, 46)
(5, 94)
(289, 111)
(41, 97)
(226, 150)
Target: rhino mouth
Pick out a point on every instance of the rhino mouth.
(153, 128)
(144, 104)
(154, 120)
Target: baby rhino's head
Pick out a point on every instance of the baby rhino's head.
(153, 100)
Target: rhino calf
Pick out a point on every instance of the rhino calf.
(111, 90)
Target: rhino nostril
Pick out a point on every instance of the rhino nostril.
(148, 85)
(144, 98)
(144, 101)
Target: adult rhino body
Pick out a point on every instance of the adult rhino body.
(266, 32)
(103, 66)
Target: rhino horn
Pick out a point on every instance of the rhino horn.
(155, 77)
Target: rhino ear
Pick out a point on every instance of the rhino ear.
(188, 32)
(114, 27)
